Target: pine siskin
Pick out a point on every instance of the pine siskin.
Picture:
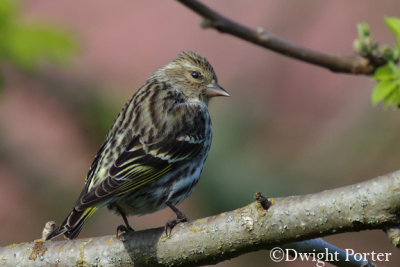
(154, 153)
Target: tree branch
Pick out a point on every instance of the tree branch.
(374, 204)
(346, 64)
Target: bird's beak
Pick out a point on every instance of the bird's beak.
(213, 89)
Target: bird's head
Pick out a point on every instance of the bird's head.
(194, 76)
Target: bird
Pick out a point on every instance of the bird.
(154, 153)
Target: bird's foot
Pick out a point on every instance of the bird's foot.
(123, 230)
(172, 223)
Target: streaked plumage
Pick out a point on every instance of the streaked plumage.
(155, 151)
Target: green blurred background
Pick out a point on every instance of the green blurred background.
(66, 69)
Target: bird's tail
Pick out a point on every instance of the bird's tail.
(72, 225)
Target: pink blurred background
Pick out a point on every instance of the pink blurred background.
(288, 128)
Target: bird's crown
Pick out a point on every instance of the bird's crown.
(191, 58)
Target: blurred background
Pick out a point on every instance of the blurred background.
(288, 128)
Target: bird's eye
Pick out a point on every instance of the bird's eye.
(195, 74)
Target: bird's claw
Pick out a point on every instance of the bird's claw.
(172, 223)
(123, 230)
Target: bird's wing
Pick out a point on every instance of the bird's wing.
(141, 164)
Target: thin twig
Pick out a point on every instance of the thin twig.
(346, 64)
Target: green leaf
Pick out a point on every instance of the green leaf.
(384, 73)
(363, 30)
(394, 25)
(364, 45)
(388, 86)
(383, 90)
(392, 99)
(389, 54)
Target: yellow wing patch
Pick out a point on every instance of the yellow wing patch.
(147, 175)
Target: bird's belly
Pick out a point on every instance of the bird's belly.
(174, 188)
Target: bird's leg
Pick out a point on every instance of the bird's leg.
(180, 217)
(123, 228)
